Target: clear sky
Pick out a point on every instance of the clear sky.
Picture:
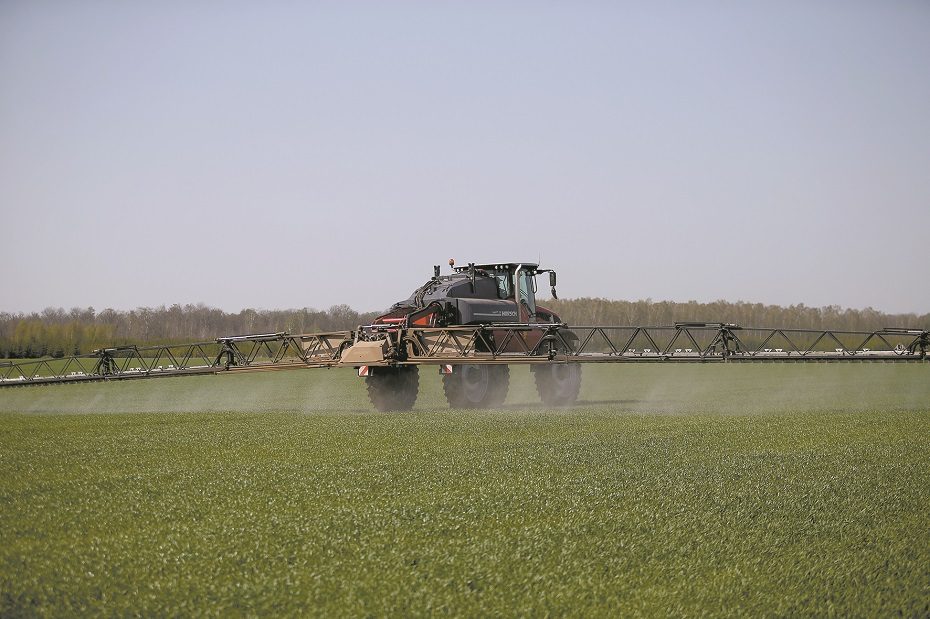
(291, 154)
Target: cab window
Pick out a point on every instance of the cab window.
(526, 283)
(504, 290)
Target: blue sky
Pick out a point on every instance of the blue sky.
(291, 154)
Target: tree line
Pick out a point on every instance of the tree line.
(587, 311)
(56, 332)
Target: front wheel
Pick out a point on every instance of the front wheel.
(476, 386)
(558, 384)
(393, 388)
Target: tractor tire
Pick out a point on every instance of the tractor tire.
(558, 384)
(393, 388)
(476, 386)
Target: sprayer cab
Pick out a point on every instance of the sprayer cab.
(487, 293)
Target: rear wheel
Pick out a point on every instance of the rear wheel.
(558, 384)
(476, 386)
(393, 388)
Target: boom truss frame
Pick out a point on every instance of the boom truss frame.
(688, 342)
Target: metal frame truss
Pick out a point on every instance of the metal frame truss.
(495, 344)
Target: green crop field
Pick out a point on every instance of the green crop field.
(688, 490)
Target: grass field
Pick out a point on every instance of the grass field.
(699, 490)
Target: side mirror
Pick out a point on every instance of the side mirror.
(552, 278)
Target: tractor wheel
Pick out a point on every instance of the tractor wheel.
(393, 388)
(476, 386)
(558, 384)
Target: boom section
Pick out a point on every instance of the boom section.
(268, 351)
(387, 345)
